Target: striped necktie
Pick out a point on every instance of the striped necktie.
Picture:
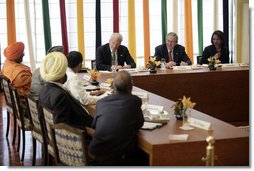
(170, 55)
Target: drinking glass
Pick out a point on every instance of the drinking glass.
(186, 120)
(163, 63)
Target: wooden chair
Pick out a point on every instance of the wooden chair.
(9, 107)
(47, 120)
(36, 125)
(93, 64)
(70, 145)
(22, 120)
(199, 58)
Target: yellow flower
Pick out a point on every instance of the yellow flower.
(153, 63)
(109, 81)
(157, 63)
(94, 74)
(182, 105)
(187, 103)
(153, 59)
(213, 60)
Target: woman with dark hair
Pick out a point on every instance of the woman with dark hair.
(218, 48)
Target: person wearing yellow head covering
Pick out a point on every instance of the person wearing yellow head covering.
(54, 66)
(37, 81)
(55, 97)
(19, 74)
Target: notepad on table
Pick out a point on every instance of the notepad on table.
(179, 137)
(91, 87)
(151, 125)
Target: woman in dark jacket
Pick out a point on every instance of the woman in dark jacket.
(218, 48)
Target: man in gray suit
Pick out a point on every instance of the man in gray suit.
(117, 121)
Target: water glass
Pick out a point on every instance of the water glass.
(163, 63)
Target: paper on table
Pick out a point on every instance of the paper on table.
(154, 107)
(91, 87)
(86, 77)
(180, 137)
(105, 86)
(142, 95)
(131, 70)
(229, 65)
(181, 67)
(151, 125)
(105, 71)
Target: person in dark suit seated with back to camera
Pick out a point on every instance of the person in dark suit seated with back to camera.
(55, 97)
(116, 123)
(113, 55)
(218, 48)
(173, 53)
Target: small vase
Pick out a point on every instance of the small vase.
(153, 71)
(94, 82)
(212, 67)
(179, 117)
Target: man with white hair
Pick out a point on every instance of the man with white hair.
(113, 55)
(54, 96)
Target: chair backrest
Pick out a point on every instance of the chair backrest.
(93, 64)
(48, 118)
(32, 105)
(16, 101)
(70, 145)
(22, 121)
(7, 94)
(199, 59)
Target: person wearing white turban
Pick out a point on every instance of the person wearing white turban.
(56, 98)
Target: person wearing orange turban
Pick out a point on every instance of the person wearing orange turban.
(19, 74)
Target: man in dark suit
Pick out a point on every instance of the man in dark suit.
(54, 96)
(173, 53)
(113, 55)
(117, 121)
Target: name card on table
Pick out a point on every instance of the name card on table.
(86, 77)
(179, 137)
(130, 70)
(142, 95)
(181, 67)
(155, 107)
(200, 124)
(105, 86)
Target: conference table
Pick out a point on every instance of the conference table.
(223, 94)
(231, 143)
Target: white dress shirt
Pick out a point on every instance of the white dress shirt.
(75, 86)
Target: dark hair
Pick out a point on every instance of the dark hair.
(56, 49)
(220, 34)
(74, 59)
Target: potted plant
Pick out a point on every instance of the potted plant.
(152, 64)
(181, 106)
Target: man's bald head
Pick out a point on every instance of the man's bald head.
(122, 82)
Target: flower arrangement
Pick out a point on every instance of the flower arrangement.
(212, 62)
(182, 105)
(94, 73)
(153, 63)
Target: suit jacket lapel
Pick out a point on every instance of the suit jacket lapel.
(165, 51)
